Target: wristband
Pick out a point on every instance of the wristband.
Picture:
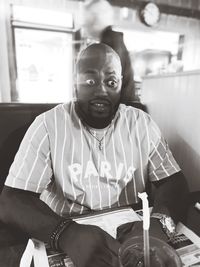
(55, 235)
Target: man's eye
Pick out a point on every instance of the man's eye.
(112, 83)
(90, 82)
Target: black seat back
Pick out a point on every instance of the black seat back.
(15, 118)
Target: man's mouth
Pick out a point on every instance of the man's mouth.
(100, 101)
(100, 105)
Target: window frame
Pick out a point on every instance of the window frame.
(19, 24)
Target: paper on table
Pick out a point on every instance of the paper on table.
(111, 220)
(40, 255)
(27, 255)
(181, 228)
(35, 250)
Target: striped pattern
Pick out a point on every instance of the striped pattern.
(60, 159)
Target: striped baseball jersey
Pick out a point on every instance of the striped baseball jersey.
(61, 159)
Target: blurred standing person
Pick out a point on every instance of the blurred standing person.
(96, 27)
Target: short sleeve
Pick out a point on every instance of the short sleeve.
(31, 169)
(161, 161)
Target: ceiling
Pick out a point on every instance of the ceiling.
(185, 8)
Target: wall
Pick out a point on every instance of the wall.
(125, 20)
(173, 102)
(189, 27)
(8, 73)
(4, 67)
(64, 5)
(192, 4)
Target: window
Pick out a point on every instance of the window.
(44, 55)
(152, 52)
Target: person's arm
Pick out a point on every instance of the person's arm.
(24, 210)
(171, 189)
(171, 196)
(84, 244)
(170, 199)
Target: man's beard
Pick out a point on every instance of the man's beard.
(98, 122)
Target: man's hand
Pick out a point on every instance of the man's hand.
(127, 230)
(89, 246)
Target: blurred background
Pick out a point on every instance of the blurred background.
(37, 44)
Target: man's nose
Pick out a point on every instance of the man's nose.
(101, 89)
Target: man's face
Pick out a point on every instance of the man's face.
(98, 87)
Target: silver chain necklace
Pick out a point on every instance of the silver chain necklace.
(99, 140)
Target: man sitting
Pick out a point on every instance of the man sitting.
(89, 155)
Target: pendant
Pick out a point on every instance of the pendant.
(100, 146)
